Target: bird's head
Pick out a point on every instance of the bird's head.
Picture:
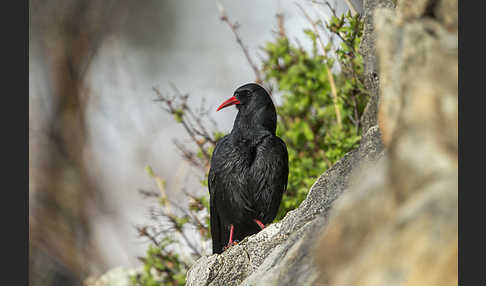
(255, 107)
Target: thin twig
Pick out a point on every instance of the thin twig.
(202, 132)
(184, 122)
(184, 236)
(192, 246)
(234, 27)
(149, 194)
(142, 231)
(329, 73)
(323, 24)
(188, 155)
(351, 7)
(333, 11)
(172, 220)
(281, 26)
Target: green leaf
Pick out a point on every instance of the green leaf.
(178, 113)
(149, 171)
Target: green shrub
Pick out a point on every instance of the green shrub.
(308, 121)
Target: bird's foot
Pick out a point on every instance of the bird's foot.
(230, 244)
(260, 224)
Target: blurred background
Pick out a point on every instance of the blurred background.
(94, 125)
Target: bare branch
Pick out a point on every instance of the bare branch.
(351, 7)
(234, 28)
(172, 220)
(281, 26)
(184, 120)
(188, 155)
(143, 232)
(333, 11)
(329, 73)
(149, 194)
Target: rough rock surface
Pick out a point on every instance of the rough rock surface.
(367, 49)
(281, 254)
(398, 223)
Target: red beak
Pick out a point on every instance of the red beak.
(232, 100)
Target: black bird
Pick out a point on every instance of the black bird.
(249, 170)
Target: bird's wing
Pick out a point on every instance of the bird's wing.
(269, 173)
(215, 222)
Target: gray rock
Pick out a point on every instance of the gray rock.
(443, 11)
(418, 63)
(368, 51)
(398, 223)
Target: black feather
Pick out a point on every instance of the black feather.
(249, 170)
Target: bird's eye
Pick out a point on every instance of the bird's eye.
(243, 93)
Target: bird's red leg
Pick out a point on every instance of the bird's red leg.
(230, 241)
(260, 224)
(231, 235)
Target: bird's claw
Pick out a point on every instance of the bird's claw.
(230, 244)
